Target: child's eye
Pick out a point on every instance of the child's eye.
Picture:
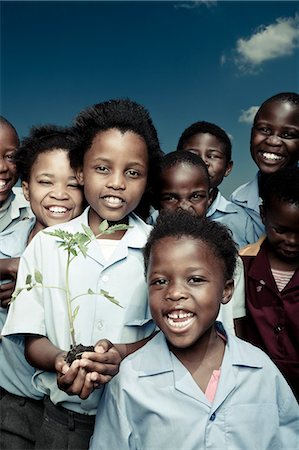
(101, 169)
(289, 135)
(264, 130)
(168, 198)
(45, 182)
(197, 197)
(10, 157)
(195, 280)
(158, 282)
(133, 173)
(74, 186)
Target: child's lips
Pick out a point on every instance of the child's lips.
(271, 157)
(113, 201)
(5, 184)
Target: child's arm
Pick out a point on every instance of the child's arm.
(8, 271)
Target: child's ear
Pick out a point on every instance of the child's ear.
(229, 168)
(79, 176)
(25, 187)
(227, 291)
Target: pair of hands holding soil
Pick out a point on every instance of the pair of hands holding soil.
(91, 371)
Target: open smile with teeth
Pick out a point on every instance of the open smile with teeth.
(115, 201)
(179, 319)
(58, 209)
(271, 156)
(3, 183)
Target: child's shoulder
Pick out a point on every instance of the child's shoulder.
(245, 190)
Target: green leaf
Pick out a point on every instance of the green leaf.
(38, 277)
(28, 279)
(103, 226)
(73, 252)
(15, 294)
(118, 227)
(75, 313)
(90, 292)
(110, 297)
(87, 231)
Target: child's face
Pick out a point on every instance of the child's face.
(53, 190)
(8, 173)
(282, 228)
(212, 152)
(186, 187)
(275, 136)
(186, 286)
(114, 175)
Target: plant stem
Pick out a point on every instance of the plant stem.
(68, 299)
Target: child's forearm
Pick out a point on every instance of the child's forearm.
(41, 353)
(9, 268)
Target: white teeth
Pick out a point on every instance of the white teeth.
(174, 315)
(113, 200)
(271, 156)
(2, 183)
(182, 324)
(57, 209)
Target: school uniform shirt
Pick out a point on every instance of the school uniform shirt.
(234, 217)
(15, 372)
(271, 315)
(154, 403)
(122, 276)
(247, 196)
(14, 209)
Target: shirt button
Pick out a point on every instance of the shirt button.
(105, 278)
(100, 325)
(278, 329)
(213, 417)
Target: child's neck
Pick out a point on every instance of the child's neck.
(202, 358)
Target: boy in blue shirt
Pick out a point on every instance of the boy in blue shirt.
(274, 144)
(213, 145)
(193, 385)
(115, 161)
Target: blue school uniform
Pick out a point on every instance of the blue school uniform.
(154, 403)
(14, 209)
(122, 276)
(247, 196)
(234, 217)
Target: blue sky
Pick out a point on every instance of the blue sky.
(184, 61)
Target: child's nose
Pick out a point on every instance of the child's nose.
(184, 204)
(175, 292)
(273, 139)
(116, 181)
(59, 193)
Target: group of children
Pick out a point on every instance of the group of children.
(167, 285)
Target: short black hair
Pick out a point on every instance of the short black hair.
(181, 223)
(4, 121)
(173, 159)
(207, 127)
(283, 186)
(281, 97)
(123, 115)
(42, 139)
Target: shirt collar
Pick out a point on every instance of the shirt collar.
(221, 204)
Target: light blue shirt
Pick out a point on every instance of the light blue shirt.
(14, 209)
(15, 372)
(234, 217)
(155, 404)
(247, 196)
(122, 276)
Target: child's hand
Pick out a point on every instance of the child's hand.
(72, 379)
(102, 364)
(6, 290)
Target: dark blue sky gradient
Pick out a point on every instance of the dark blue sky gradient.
(59, 57)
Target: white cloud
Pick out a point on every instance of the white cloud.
(268, 42)
(222, 59)
(247, 115)
(195, 4)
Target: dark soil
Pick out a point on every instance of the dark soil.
(76, 352)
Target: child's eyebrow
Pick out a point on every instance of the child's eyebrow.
(103, 159)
